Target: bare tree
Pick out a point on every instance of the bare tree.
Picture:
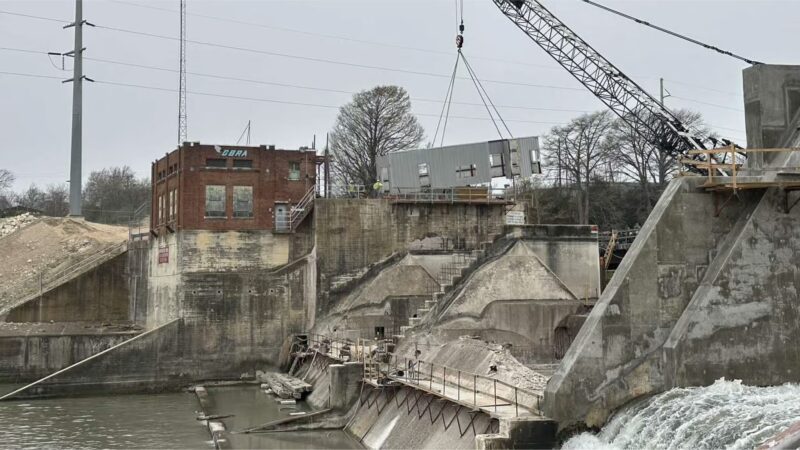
(6, 196)
(112, 195)
(577, 151)
(374, 123)
(56, 200)
(32, 198)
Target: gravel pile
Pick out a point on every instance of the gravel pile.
(9, 225)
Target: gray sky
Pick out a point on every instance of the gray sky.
(134, 126)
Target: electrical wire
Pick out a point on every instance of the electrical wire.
(289, 85)
(254, 99)
(707, 103)
(333, 36)
(672, 33)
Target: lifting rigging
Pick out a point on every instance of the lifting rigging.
(646, 115)
(491, 109)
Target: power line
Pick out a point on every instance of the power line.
(672, 33)
(209, 94)
(153, 35)
(705, 88)
(330, 61)
(715, 105)
(289, 85)
(334, 36)
(264, 100)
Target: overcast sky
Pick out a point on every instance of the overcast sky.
(135, 125)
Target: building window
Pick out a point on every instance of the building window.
(424, 175)
(242, 201)
(294, 170)
(216, 162)
(215, 201)
(173, 204)
(467, 171)
(160, 209)
(497, 165)
(243, 163)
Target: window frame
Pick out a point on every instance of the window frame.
(292, 172)
(223, 200)
(235, 211)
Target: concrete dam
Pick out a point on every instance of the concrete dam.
(430, 321)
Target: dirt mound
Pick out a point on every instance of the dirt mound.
(47, 246)
(9, 225)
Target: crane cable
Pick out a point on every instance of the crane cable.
(672, 33)
(482, 93)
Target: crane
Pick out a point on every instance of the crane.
(646, 115)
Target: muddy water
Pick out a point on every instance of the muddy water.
(125, 421)
(251, 407)
(152, 421)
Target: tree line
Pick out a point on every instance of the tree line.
(110, 195)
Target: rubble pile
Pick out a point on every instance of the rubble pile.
(9, 225)
(40, 248)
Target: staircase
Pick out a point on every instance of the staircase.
(449, 276)
(298, 212)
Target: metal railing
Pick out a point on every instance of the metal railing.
(451, 195)
(289, 222)
(478, 391)
(56, 279)
(474, 390)
(347, 191)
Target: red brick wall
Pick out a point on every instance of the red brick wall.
(269, 178)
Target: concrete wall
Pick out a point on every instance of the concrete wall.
(771, 100)
(616, 355)
(99, 294)
(353, 234)
(517, 299)
(386, 299)
(742, 322)
(28, 354)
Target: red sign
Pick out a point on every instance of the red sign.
(163, 255)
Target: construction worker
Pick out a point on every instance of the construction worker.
(377, 188)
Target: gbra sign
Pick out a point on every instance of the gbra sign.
(231, 153)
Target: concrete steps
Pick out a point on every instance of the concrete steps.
(450, 276)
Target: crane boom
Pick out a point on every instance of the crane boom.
(648, 117)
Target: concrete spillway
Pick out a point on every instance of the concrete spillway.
(709, 289)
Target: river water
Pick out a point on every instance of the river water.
(151, 421)
(725, 415)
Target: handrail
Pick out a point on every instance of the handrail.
(411, 372)
(464, 194)
(55, 279)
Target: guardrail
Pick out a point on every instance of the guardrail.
(474, 390)
(450, 195)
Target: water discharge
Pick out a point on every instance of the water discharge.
(726, 415)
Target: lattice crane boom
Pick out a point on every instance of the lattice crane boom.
(648, 117)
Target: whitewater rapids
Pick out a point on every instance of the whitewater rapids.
(725, 415)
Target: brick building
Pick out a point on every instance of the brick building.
(222, 188)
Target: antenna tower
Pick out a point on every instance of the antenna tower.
(182, 80)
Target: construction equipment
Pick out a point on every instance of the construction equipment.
(646, 115)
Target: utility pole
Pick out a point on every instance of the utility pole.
(77, 112)
(182, 126)
(663, 92)
(327, 168)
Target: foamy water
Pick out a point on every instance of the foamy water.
(726, 415)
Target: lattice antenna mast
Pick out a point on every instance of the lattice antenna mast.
(648, 117)
(182, 127)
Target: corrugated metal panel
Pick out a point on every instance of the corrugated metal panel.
(443, 164)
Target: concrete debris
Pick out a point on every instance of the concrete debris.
(9, 225)
(284, 386)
